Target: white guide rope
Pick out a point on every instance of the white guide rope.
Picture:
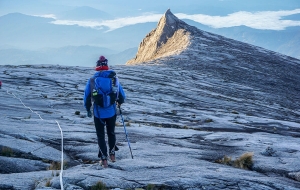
(24, 105)
(62, 157)
(62, 140)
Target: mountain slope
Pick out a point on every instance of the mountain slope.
(173, 37)
(283, 41)
(85, 13)
(121, 57)
(223, 59)
(181, 124)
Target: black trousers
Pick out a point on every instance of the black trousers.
(110, 124)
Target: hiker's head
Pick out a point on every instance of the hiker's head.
(101, 58)
(102, 63)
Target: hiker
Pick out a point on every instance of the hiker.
(104, 92)
(0, 84)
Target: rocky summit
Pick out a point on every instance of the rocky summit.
(170, 37)
(202, 112)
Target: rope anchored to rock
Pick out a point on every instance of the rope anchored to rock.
(62, 138)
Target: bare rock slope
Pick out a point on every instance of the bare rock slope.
(180, 134)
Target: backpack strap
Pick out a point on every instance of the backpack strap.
(117, 86)
(92, 86)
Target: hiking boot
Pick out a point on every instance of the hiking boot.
(112, 155)
(112, 158)
(103, 163)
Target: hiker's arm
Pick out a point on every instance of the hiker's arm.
(87, 97)
(122, 96)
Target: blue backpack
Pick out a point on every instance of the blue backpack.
(105, 89)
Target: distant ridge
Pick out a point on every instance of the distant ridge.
(85, 13)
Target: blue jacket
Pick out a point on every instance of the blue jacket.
(100, 112)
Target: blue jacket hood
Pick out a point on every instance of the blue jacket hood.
(105, 74)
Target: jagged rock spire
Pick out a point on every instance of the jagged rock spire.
(153, 44)
(166, 27)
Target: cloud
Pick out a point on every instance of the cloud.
(265, 20)
(91, 24)
(118, 23)
(47, 16)
(112, 24)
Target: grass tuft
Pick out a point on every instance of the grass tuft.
(6, 151)
(226, 160)
(48, 183)
(245, 161)
(99, 186)
(54, 165)
(150, 187)
(57, 165)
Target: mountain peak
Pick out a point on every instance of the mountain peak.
(169, 18)
(169, 36)
(167, 26)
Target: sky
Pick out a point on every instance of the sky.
(263, 14)
(271, 24)
(264, 20)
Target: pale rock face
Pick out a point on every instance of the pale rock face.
(170, 37)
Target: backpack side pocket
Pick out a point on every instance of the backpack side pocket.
(98, 99)
(113, 98)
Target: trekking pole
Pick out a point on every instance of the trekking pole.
(125, 131)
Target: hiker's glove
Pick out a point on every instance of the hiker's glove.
(89, 113)
(118, 104)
